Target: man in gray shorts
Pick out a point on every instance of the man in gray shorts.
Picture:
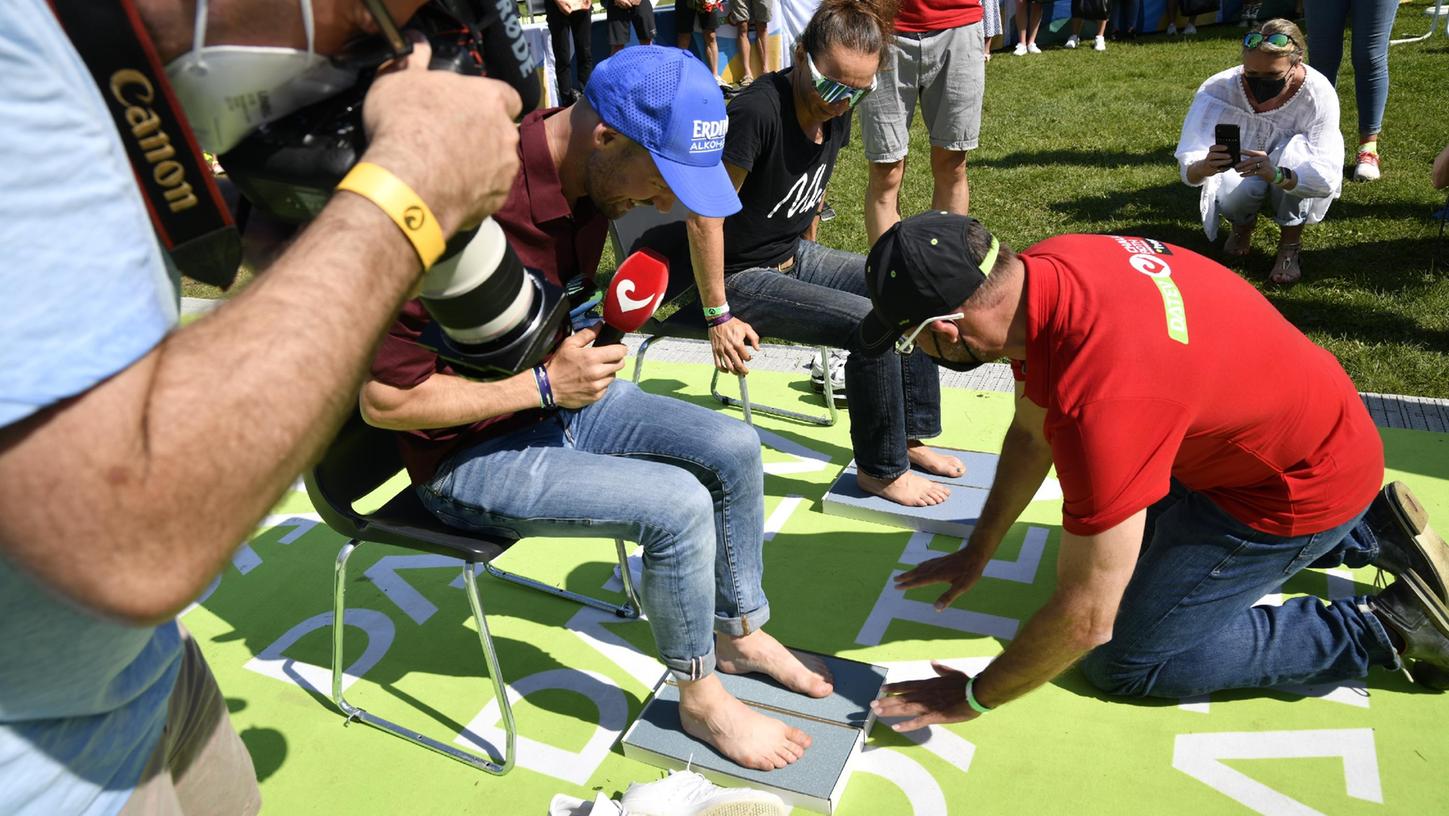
(748, 14)
(940, 56)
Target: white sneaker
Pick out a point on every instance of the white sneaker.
(1190, 30)
(1020, 50)
(1072, 41)
(685, 793)
(1171, 29)
(1032, 49)
(837, 375)
(1099, 43)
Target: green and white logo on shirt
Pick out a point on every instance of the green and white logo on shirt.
(1154, 267)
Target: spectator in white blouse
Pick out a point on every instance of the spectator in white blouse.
(1291, 161)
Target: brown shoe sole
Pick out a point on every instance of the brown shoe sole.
(1414, 520)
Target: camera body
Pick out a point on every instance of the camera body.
(492, 317)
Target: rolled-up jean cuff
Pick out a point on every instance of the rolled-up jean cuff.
(693, 668)
(744, 624)
(1365, 604)
(924, 432)
(884, 478)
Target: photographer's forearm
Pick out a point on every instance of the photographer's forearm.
(446, 401)
(130, 497)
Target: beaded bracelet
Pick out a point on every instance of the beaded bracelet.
(545, 391)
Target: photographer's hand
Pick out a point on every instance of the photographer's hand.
(1217, 160)
(450, 137)
(580, 373)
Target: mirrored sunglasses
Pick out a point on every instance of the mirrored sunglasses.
(831, 91)
(906, 343)
(1279, 40)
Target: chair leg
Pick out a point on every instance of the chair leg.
(639, 356)
(355, 714)
(628, 609)
(832, 414)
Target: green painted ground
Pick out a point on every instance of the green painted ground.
(1371, 749)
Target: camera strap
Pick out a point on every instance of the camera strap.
(190, 217)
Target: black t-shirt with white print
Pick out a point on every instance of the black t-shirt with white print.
(787, 173)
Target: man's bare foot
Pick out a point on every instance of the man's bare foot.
(760, 652)
(932, 462)
(741, 733)
(909, 488)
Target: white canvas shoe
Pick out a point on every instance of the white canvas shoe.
(1072, 41)
(1020, 50)
(1190, 30)
(1171, 29)
(1099, 43)
(1032, 49)
(685, 793)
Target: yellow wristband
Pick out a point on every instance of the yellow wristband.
(402, 205)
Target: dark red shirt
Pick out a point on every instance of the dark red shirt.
(1154, 362)
(919, 16)
(550, 235)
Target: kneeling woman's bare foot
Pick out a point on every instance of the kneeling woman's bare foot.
(910, 489)
(930, 461)
(760, 652)
(741, 733)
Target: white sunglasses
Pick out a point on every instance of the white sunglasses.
(906, 344)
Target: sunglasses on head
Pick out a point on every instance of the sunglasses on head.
(831, 91)
(1279, 40)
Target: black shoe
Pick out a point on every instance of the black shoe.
(1422, 621)
(1408, 547)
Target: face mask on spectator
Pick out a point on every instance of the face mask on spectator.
(1265, 88)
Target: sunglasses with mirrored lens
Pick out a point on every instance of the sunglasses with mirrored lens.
(1278, 40)
(831, 91)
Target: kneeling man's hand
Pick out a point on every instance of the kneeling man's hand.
(580, 373)
(940, 699)
(961, 569)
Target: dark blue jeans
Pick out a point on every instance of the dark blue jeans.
(1187, 624)
(821, 301)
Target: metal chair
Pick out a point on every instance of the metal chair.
(359, 461)
(1439, 10)
(646, 226)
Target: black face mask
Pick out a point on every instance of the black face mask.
(957, 365)
(1265, 88)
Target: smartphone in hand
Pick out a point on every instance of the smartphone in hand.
(1228, 136)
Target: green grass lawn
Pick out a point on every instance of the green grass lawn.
(1080, 141)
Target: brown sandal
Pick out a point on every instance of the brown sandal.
(1240, 242)
(1286, 270)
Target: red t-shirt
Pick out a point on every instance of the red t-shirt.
(549, 235)
(1154, 362)
(919, 16)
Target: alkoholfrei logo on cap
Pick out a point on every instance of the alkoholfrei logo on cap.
(709, 135)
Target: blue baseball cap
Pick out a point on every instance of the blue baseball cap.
(667, 101)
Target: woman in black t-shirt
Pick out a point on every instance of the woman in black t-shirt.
(763, 270)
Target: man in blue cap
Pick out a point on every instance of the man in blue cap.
(567, 451)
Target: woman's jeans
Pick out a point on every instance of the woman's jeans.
(682, 480)
(560, 28)
(1241, 199)
(1188, 625)
(821, 301)
(1372, 22)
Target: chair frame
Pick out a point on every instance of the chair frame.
(354, 525)
(743, 402)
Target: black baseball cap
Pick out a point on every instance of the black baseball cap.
(921, 267)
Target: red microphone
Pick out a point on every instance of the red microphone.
(634, 294)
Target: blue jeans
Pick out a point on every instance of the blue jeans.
(1240, 199)
(1372, 22)
(821, 301)
(1187, 624)
(682, 480)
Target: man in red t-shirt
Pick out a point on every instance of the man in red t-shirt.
(1207, 451)
(566, 451)
(940, 58)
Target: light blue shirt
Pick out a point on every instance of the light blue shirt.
(84, 293)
